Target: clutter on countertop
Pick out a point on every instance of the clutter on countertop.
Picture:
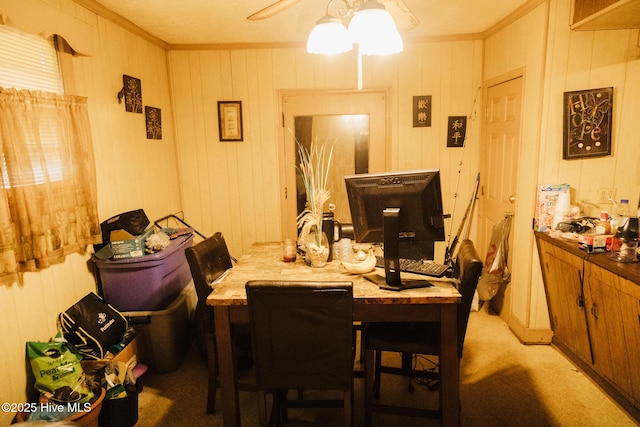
(616, 233)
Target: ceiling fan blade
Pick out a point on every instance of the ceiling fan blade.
(403, 17)
(272, 9)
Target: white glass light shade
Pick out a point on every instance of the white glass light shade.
(329, 36)
(374, 30)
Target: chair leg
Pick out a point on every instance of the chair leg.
(212, 366)
(368, 385)
(348, 408)
(377, 374)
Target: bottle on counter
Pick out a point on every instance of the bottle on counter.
(603, 226)
(623, 209)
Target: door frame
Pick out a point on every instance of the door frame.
(281, 138)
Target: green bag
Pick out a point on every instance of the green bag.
(58, 372)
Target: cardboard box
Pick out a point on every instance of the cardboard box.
(546, 204)
(129, 354)
(124, 245)
(593, 243)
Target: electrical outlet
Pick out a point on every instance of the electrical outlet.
(606, 194)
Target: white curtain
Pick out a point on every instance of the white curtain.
(48, 203)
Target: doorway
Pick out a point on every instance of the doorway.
(501, 146)
(354, 123)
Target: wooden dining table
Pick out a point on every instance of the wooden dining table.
(263, 261)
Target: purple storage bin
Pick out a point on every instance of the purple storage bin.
(150, 282)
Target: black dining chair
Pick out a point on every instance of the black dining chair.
(302, 340)
(208, 261)
(410, 338)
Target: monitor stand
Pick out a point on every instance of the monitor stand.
(391, 247)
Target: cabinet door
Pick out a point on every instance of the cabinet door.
(613, 306)
(606, 329)
(562, 273)
(630, 306)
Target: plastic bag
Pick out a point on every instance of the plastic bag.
(58, 373)
(496, 272)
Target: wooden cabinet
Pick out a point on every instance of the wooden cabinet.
(594, 307)
(566, 301)
(605, 14)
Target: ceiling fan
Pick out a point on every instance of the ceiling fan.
(405, 19)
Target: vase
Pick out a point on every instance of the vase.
(318, 249)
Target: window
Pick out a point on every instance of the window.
(48, 201)
(28, 62)
(31, 62)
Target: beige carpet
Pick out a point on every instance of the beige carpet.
(503, 383)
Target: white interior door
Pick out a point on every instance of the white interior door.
(345, 119)
(501, 144)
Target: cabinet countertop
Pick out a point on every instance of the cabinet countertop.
(629, 271)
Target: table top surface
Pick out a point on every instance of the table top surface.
(263, 261)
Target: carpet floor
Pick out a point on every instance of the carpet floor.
(503, 383)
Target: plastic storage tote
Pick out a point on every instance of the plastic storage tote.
(150, 282)
(165, 334)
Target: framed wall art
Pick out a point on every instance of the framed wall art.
(153, 118)
(587, 123)
(456, 131)
(230, 120)
(422, 111)
(132, 88)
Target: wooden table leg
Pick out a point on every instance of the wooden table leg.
(449, 366)
(228, 386)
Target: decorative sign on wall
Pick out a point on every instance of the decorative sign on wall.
(456, 131)
(132, 94)
(153, 118)
(230, 120)
(422, 111)
(587, 123)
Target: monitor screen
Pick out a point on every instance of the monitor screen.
(413, 198)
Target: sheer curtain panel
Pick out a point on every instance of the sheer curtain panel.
(48, 203)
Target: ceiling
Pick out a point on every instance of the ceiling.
(188, 22)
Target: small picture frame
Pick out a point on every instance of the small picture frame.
(456, 131)
(422, 111)
(132, 88)
(153, 118)
(230, 120)
(587, 123)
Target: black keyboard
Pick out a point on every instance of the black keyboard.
(426, 268)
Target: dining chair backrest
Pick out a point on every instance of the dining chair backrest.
(302, 334)
(207, 260)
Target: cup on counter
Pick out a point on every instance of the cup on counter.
(289, 250)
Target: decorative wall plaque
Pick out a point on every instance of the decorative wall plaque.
(230, 120)
(587, 123)
(456, 131)
(422, 111)
(132, 94)
(154, 122)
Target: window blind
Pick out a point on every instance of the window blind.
(31, 62)
(28, 62)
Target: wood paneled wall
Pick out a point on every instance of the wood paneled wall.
(553, 60)
(132, 172)
(233, 186)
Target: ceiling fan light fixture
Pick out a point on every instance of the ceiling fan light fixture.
(372, 27)
(329, 37)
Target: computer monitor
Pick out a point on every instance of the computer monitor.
(397, 209)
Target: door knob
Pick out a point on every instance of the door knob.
(512, 199)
